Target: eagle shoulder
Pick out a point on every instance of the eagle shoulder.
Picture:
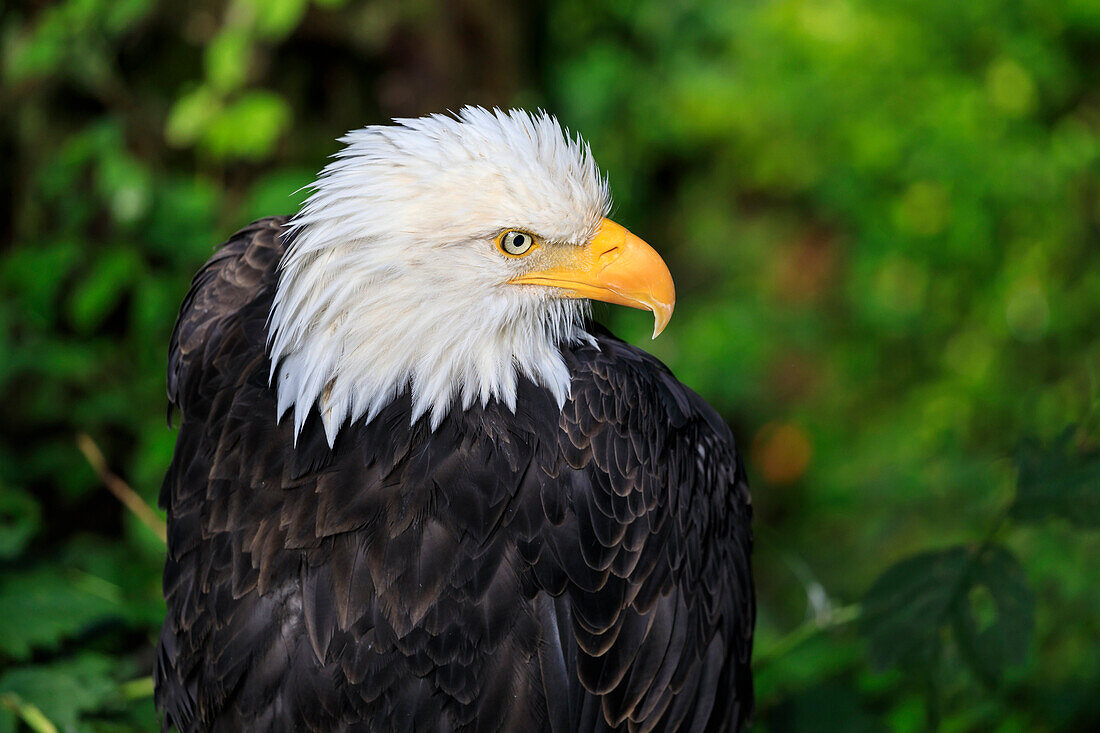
(657, 501)
(222, 313)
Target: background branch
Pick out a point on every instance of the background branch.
(122, 490)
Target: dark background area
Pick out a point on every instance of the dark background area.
(883, 218)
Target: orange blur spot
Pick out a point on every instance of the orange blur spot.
(781, 452)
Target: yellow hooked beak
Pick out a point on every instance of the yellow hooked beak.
(615, 267)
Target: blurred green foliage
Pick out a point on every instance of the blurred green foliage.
(883, 217)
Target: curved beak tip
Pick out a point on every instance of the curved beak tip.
(662, 314)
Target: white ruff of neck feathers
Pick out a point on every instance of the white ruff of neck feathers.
(391, 282)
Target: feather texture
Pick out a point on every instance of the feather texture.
(393, 253)
(576, 568)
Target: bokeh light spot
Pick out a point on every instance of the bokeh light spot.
(1010, 88)
(1027, 311)
(924, 209)
(782, 452)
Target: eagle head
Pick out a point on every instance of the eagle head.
(449, 256)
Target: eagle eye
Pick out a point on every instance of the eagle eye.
(516, 243)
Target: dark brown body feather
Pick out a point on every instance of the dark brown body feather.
(584, 569)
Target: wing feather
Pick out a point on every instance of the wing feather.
(584, 568)
(658, 497)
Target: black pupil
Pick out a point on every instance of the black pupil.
(517, 241)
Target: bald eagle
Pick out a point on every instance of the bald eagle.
(415, 488)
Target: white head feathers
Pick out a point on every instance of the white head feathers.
(392, 280)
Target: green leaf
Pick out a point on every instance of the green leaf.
(249, 127)
(984, 598)
(58, 359)
(180, 225)
(993, 621)
(105, 284)
(20, 520)
(120, 572)
(1058, 481)
(34, 52)
(907, 606)
(122, 14)
(276, 18)
(809, 664)
(66, 690)
(42, 607)
(228, 58)
(37, 274)
(190, 116)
